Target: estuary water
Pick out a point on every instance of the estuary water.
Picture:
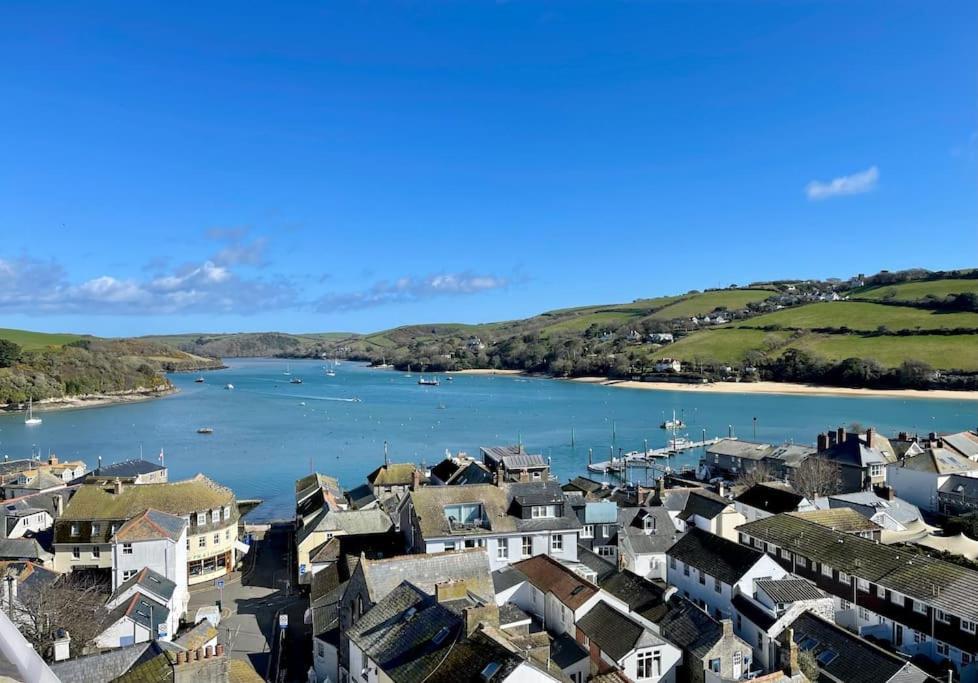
(269, 432)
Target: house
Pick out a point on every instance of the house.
(644, 535)
(543, 587)
(843, 656)
(459, 470)
(784, 460)
(886, 511)
(919, 478)
(330, 523)
(843, 519)
(710, 570)
(668, 365)
(373, 580)
(66, 471)
(921, 605)
(21, 583)
(135, 620)
(862, 459)
(761, 616)
(32, 482)
(83, 535)
(599, 526)
(963, 443)
(158, 590)
(733, 457)
(338, 556)
(128, 472)
(512, 521)
(313, 492)
(361, 497)
(710, 512)
(399, 477)
(617, 640)
(25, 549)
(711, 650)
(766, 499)
(20, 518)
(590, 489)
(958, 495)
(514, 464)
(661, 337)
(645, 599)
(154, 542)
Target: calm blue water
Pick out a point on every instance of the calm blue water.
(265, 438)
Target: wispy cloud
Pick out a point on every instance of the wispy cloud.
(238, 248)
(856, 183)
(412, 289)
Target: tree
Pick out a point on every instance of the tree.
(759, 474)
(808, 665)
(74, 602)
(9, 353)
(816, 476)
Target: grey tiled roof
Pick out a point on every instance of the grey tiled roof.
(424, 571)
(715, 555)
(525, 461)
(938, 461)
(772, 499)
(353, 522)
(687, 626)
(361, 496)
(703, 503)
(507, 577)
(752, 611)
(614, 632)
(789, 589)
(149, 580)
(641, 596)
(749, 450)
(565, 651)
(868, 504)
(141, 609)
(126, 468)
(509, 613)
(22, 549)
(109, 665)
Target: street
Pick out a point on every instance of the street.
(253, 601)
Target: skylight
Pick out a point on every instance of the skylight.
(826, 657)
(440, 636)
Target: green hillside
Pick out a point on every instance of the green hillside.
(703, 304)
(31, 341)
(857, 315)
(918, 291)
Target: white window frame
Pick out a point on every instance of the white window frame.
(968, 626)
(587, 531)
(919, 607)
(897, 598)
(202, 541)
(826, 570)
(524, 542)
(201, 518)
(502, 549)
(942, 616)
(863, 585)
(127, 548)
(557, 543)
(96, 552)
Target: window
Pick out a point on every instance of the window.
(716, 584)
(845, 604)
(685, 570)
(968, 626)
(863, 585)
(186, 520)
(128, 574)
(74, 530)
(543, 511)
(943, 649)
(715, 665)
(702, 578)
(112, 529)
(502, 549)
(527, 546)
(216, 515)
(202, 542)
(896, 598)
(606, 551)
(844, 578)
(556, 543)
(649, 664)
(587, 531)
(649, 524)
(96, 552)
(201, 518)
(227, 512)
(96, 529)
(802, 562)
(227, 535)
(943, 617)
(449, 545)
(919, 607)
(916, 637)
(217, 539)
(965, 659)
(536, 475)
(320, 650)
(826, 570)
(672, 562)
(127, 548)
(880, 592)
(876, 470)
(76, 553)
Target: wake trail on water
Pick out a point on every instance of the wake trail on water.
(308, 397)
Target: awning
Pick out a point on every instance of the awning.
(242, 548)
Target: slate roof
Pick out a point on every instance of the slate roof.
(424, 571)
(326, 610)
(960, 485)
(394, 474)
(361, 496)
(615, 633)
(566, 652)
(30, 577)
(406, 648)
(374, 546)
(535, 493)
(599, 565)
(493, 455)
(23, 549)
(750, 610)
(550, 576)
(704, 503)
(507, 577)
(844, 519)
(370, 521)
(687, 626)
(149, 580)
(643, 597)
(583, 484)
(772, 499)
(857, 660)
(108, 665)
(965, 443)
(898, 569)
(126, 469)
(41, 481)
(469, 657)
(938, 461)
(145, 611)
(868, 504)
(444, 470)
(150, 525)
(93, 501)
(633, 538)
(853, 452)
(790, 589)
(715, 555)
(510, 614)
(790, 455)
(473, 473)
(738, 448)
(524, 461)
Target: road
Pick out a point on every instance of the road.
(253, 600)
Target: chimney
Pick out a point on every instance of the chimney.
(823, 443)
(415, 479)
(720, 489)
(727, 626)
(199, 654)
(840, 435)
(932, 436)
(789, 659)
(902, 436)
(869, 437)
(208, 651)
(450, 590)
(219, 650)
(117, 486)
(831, 437)
(59, 505)
(62, 646)
(480, 614)
(53, 460)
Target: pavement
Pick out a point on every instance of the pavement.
(253, 600)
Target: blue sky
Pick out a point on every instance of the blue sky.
(353, 166)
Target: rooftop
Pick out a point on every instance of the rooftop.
(151, 524)
(550, 576)
(738, 448)
(714, 555)
(525, 461)
(686, 625)
(842, 519)
(149, 580)
(772, 499)
(393, 474)
(948, 586)
(126, 469)
(938, 461)
(93, 501)
(789, 589)
(353, 522)
(615, 633)
(141, 609)
(641, 596)
(425, 571)
(703, 503)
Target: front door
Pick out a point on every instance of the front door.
(897, 635)
(736, 664)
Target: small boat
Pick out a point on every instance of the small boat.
(229, 387)
(205, 430)
(288, 369)
(679, 443)
(30, 419)
(295, 380)
(673, 423)
(425, 382)
(199, 380)
(449, 378)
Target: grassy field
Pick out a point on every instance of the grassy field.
(915, 291)
(956, 352)
(701, 304)
(30, 341)
(611, 318)
(857, 315)
(639, 305)
(723, 345)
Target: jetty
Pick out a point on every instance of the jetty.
(646, 458)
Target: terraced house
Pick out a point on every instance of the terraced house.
(920, 604)
(84, 535)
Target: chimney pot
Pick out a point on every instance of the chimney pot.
(840, 435)
(208, 651)
(823, 443)
(219, 650)
(199, 654)
(869, 437)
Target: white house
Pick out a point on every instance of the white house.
(710, 570)
(156, 541)
(668, 365)
(19, 518)
(134, 620)
(159, 591)
(616, 640)
(917, 478)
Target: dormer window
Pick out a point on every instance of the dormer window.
(543, 511)
(74, 530)
(201, 518)
(649, 524)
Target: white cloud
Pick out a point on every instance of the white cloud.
(856, 183)
(411, 289)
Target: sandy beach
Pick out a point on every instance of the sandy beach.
(488, 371)
(91, 400)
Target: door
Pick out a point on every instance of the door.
(897, 635)
(737, 660)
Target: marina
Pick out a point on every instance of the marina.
(647, 458)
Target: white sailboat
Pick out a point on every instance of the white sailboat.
(30, 419)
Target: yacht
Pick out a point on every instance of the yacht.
(295, 380)
(205, 430)
(229, 386)
(673, 423)
(30, 419)
(199, 380)
(425, 382)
